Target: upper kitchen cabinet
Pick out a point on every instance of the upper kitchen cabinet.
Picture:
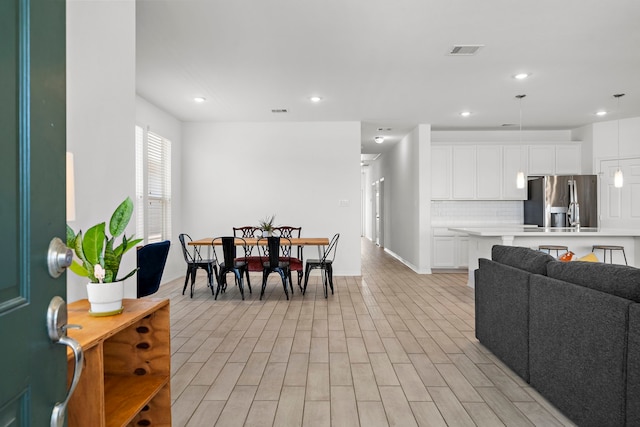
(489, 172)
(514, 159)
(568, 159)
(441, 156)
(464, 172)
(562, 159)
(476, 172)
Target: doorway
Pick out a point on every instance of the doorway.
(378, 212)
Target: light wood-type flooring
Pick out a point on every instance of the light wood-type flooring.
(391, 347)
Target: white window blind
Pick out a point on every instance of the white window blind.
(153, 185)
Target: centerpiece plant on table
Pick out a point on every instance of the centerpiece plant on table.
(266, 225)
(97, 257)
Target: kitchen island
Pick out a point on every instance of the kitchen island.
(579, 241)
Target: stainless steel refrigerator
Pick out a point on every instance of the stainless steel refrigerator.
(562, 201)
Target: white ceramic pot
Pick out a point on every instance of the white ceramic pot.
(105, 298)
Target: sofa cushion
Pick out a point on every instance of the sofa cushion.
(502, 313)
(523, 258)
(578, 350)
(614, 279)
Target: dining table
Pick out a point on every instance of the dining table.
(254, 241)
(320, 242)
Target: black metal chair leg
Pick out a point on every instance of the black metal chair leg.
(186, 280)
(193, 281)
(290, 281)
(264, 284)
(325, 281)
(248, 283)
(284, 276)
(307, 270)
(248, 280)
(210, 281)
(238, 277)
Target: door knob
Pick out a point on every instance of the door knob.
(59, 257)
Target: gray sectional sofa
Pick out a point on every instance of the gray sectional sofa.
(571, 330)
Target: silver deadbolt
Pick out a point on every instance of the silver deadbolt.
(59, 257)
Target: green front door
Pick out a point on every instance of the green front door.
(32, 206)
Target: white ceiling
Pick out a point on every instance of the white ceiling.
(386, 64)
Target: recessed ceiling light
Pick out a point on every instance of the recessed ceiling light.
(522, 76)
(379, 139)
(465, 113)
(601, 113)
(315, 99)
(199, 99)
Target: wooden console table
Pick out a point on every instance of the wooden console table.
(126, 376)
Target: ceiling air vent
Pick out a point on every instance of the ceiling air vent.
(279, 110)
(465, 49)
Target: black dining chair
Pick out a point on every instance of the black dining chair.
(230, 263)
(272, 252)
(252, 260)
(151, 260)
(295, 263)
(195, 261)
(325, 264)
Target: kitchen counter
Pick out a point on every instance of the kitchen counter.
(540, 231)
(579, 241)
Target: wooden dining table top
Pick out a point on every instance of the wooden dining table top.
(252, 241)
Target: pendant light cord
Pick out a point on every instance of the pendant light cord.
(618, 96)
(520, 127)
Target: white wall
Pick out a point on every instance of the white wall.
(101, 114)
(237, 173)
(150, 117)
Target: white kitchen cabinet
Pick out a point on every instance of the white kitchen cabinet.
(441, 172)
(444, 252)
(542, 160)
(568, 159)
(514, 160)
(449, 249)
(464, 172)
(489, 172)
(560, 159)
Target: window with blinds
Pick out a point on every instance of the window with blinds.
(153, 186)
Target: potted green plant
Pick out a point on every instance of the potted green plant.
(98, 259)
(266, 225)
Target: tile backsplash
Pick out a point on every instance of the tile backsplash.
(476, 213)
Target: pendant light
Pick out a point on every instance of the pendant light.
(520, 181)
(618, 179)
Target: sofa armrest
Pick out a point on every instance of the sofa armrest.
(502, 313)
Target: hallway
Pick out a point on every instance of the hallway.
(388, 348)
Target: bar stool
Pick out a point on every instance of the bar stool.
(556, 248)
(609, 248)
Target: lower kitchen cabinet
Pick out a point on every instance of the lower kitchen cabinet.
(449, 250)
